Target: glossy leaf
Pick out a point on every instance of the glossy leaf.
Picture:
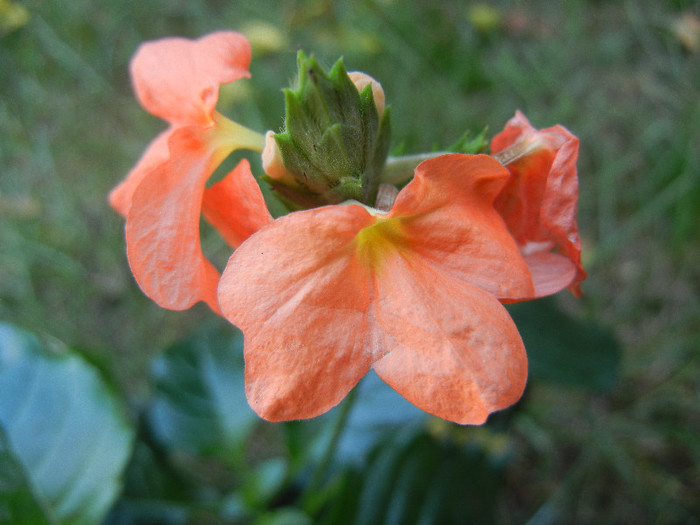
(65, 437)
(199, 404)
(566, 350)
(416, 478)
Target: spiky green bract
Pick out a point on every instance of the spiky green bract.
(334, 143)
(470, 144)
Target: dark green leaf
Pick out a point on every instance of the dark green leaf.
(566, 350)
(153, 491)
(284, 516)
(199, 404)
(66, 439)
(17, 503)
(267, 479)
(416, 478)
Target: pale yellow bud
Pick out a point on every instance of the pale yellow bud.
(272, 159)
(361, 80)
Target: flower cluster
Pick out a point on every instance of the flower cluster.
(358, 275)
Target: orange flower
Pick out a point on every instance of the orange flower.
(325, 294)
(163, 197)
(539, 202)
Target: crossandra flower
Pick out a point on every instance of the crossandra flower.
(165, 194)
(539, 202)
(324, 295)
(407, 283)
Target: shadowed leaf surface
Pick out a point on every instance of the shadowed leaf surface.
(199, 404)
(566, 350)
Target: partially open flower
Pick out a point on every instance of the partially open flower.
(362, 80)
(539, 201)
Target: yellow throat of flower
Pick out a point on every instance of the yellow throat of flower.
(383, 239)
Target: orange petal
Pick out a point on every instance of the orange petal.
(162, 226)
(551, 272)
(514, 128)
(560, 203)
(457, 353)
(235, 206)
(302, 301)
(178, 79)
(539, 203)
(520, 201)
(155, 154)
(448, 216)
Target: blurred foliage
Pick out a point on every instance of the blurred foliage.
(202, 454)
(199, 403)
(600, 438)
(12, 16)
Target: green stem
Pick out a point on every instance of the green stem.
(308, 501)
(398, 170)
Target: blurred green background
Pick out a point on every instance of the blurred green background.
(624, 76)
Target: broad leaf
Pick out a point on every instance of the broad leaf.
(416, 478)
(64, 438)
(153, 492)
(198, 422)
(566, 350)
(199, 404)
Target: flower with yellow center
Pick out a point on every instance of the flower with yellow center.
(324, 295)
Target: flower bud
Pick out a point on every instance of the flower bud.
(361, 81)
(335, 141)
(272, 159)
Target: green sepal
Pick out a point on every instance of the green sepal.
(348, 188)
(372, 176)
(294, 198)
(334, 143)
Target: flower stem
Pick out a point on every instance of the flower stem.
(309, 500)
(398, 170)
